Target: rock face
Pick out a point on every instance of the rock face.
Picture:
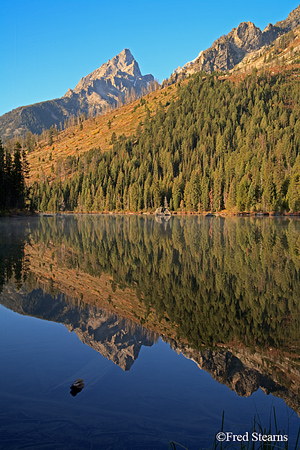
(229, 50)
(105, 87)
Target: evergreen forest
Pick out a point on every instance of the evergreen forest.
(13, 173)
(220, 144)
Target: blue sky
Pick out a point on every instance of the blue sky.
(46, 47)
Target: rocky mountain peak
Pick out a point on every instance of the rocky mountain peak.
(246, 36)
(125, 62)
(246, 29)
(121, 65)
(112, 80)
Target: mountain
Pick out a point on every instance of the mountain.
(228, 51)
(118, 79)
(94, 133)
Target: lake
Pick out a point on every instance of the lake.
(170, 325)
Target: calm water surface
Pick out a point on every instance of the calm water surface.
(169, 324)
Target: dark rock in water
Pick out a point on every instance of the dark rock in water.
(74, 391)
(76, 387)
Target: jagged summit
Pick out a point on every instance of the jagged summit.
(113, 79)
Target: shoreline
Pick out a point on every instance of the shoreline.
(175, 213)
(224, 214)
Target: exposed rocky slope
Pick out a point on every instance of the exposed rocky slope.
(227, 51)
(101, 89)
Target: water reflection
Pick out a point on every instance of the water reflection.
(13, 263)
(225, 293)
(116, 338)
(216, 280)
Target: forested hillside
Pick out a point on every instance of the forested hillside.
(222, 143)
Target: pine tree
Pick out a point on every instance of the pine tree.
(176, 194)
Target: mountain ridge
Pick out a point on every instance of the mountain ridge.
(229, 50)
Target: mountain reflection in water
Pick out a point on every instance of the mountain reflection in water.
(223, 292)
